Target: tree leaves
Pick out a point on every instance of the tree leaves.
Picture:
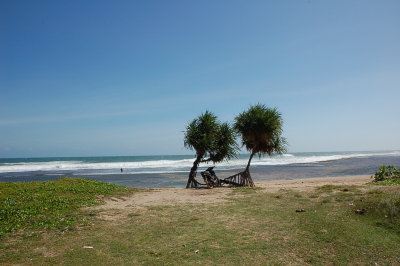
(210, 138)
(261, 130)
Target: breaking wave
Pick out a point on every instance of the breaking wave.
(168, 164)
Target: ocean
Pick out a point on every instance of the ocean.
(172, 170)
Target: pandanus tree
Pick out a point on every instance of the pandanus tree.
(261, 131)
(211, 140)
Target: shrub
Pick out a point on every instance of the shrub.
(386, 172)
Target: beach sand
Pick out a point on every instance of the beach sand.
(117, 208)
(308, 184)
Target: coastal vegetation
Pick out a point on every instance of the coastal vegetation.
(261, 130)
(211, 140)
(328, 231)
(49, 204)
(386, 175)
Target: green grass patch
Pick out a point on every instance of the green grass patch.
(49, 204)
(246, 189)
(332, 188)
(384, 206)
(388, 182)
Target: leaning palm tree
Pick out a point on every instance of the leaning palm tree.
(261, 129)
(212, 141)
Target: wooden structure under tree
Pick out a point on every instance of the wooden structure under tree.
(242, 179)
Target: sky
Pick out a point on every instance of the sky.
(99, 78)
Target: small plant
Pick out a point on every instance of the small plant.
(386, 172)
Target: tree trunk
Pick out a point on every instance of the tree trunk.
(246, 177)
(191, 181)
(248, 164)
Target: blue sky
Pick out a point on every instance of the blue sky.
(81, 78)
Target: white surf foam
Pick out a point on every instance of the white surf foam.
(169, 166)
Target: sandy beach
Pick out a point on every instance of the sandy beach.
(307, 184)
(117, 207)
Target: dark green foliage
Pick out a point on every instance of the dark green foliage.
(386, 173)
(209, 138)
(261, 129)
(201, 133)
(224, 145)
(212, 139)
(47, 204)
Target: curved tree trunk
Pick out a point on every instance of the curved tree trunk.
(248, 164)
(246, 177)
(192, 181)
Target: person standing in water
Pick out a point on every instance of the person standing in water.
(122, 170)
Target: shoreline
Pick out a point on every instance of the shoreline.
(260, 179)
(338, 168)
(366, 166)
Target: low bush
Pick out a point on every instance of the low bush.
(386, 172)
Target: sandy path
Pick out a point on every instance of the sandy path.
(117, 209)
(167, 196)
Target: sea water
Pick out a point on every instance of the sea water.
(172, 170)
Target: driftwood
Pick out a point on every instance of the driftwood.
(242, 179)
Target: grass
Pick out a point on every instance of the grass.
(385, 207)
(50, 204)
(252, 228)
(388, 182)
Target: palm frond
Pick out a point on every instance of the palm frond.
(260, 128)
